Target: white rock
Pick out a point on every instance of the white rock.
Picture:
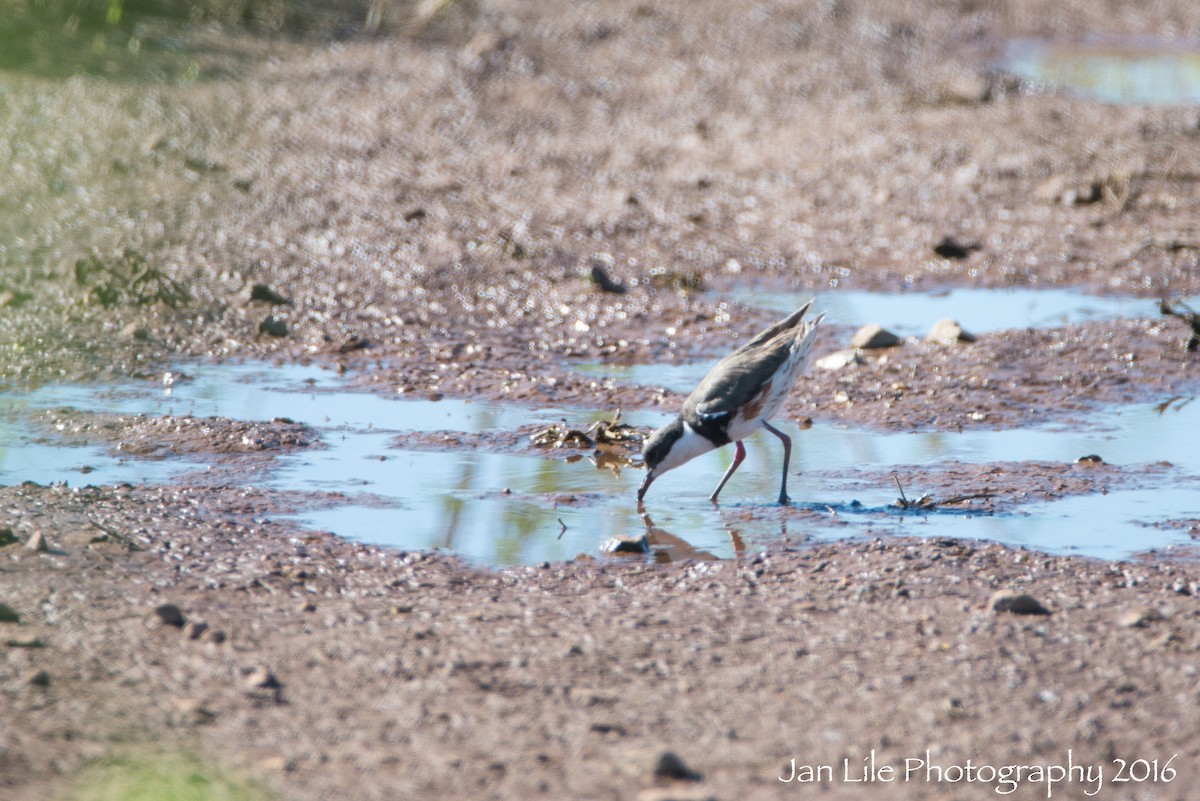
(947, 331)
(873, 335)
(839, 359)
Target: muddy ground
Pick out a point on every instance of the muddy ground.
(423, 206)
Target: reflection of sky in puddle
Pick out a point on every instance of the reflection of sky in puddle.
(906, 314)
(457, 500)
(1123, 72)
(977, 310)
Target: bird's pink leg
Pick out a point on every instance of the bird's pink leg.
(739, 454)
(787, 457)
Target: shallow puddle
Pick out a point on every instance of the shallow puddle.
(905, 314)
(496, 508)
(977, 310)
(1130, 71)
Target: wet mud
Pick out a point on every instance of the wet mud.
(1000, 486)
(168, 436)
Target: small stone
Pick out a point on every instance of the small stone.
(25, 641)
(626, 544)
(169, 615)
(947, 331)
(37, 542)
(600, 277)
(194, 629)
(309, 606)
(261, 293)
(7, 537)
(261, 678)
(968, 89)
(1082, 194)
(1067, 191)
(670, 767)
(135, 332)
(1051, 189)
(8, 614)
(273, 327)
(1018, 603)
(294, 573)
(216, 636)
(37, 678)
(838, 359)
(190, 712)
(873, 335)
(951, 248)
(1091, 458)
(1139, 618)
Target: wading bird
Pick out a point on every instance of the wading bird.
(739, 395)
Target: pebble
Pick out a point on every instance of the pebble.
(1091, 458)
(262, 293)
(135, 331)
(600, 277)
(261, 678)
(190, 712)
(873, 335)
(7, 537)
(37, 542)
(950, 248)
(273, 327)
(37, 678)
(1018, 603)
(8, 614)
(947, 331)
(216, 636)
(25, 641)
(626, 544)
(1140, 618)
(670, 766)
(194, 629)
(169, 615)
(839, 359)
(1069, 192)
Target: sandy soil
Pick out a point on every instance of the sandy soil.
(423, 207)
(404, 675)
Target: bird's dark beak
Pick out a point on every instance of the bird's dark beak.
(646, 482)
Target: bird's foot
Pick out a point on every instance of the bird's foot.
(784, 500)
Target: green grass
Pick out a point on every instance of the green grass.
(161, 778)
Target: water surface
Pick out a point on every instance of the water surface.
(508, 508)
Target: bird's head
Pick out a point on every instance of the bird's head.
(669, 447)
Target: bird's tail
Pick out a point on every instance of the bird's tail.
(787, 323)
(802, 342)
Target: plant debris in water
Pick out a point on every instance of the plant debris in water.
(928, 503)
(1185, 313)
(602, 432)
